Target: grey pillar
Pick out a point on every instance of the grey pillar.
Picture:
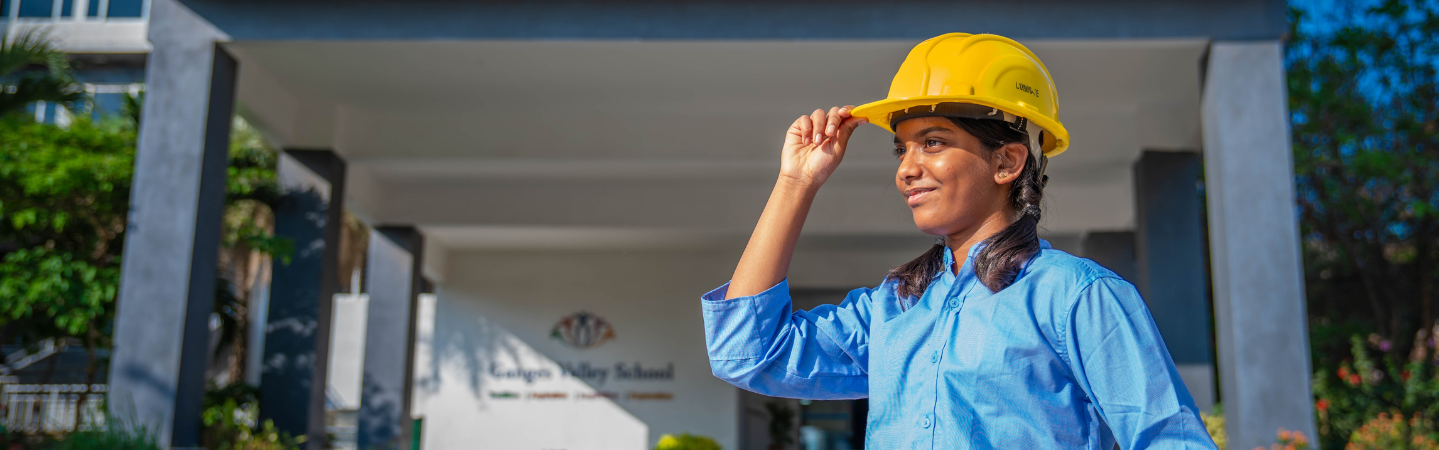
(1169, 255)
(172, 241)
(1112, 249)
(1254, 240)
(302, 292)
(393, 282)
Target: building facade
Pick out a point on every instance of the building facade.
(571, 176)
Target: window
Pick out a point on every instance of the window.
(125, 8)
(37, 8)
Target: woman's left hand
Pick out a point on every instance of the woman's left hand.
(815, 144)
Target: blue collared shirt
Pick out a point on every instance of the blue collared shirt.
(1066, 357)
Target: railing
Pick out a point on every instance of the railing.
(34, 408)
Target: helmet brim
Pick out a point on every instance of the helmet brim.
(879, 112)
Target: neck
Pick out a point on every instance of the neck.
(962, 241)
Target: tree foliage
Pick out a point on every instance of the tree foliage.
(1363, 89)
(32, 69)
(63, 198)
(1362, 93)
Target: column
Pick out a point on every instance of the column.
(1112, 249)
(1171, 268)
(1254, 245)
(172, 240)
(393, 281)
(302, 292)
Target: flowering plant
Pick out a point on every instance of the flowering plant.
(1373, 380)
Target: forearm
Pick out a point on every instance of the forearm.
(766, 258)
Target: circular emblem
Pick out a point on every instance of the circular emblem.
(583, 330)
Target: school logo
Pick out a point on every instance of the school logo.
(583, 330)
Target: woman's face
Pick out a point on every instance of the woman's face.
(950, 182)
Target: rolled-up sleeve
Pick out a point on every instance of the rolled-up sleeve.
(757, 343)
(1118, 357)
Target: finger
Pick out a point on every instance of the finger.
(819, 119)
(841, 138)
(795, 134)
(848, 126)
(806, 129)
(837, 116)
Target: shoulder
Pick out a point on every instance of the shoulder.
(1058, 282)
(1057, 268)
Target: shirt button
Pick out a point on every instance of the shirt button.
(925, 422)
(952, 303)
(934, 358)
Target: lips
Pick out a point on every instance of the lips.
(915, 196)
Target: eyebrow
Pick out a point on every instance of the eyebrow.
(924, 132)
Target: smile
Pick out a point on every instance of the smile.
(914, 196)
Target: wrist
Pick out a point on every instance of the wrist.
(796, 185)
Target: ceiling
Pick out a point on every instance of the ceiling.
(489, 143)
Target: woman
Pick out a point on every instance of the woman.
(992, 339)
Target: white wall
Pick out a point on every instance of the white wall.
(499, 307)
(347, 350)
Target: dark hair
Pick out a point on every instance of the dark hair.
(1004, 253)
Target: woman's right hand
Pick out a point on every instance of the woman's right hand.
(814, 145)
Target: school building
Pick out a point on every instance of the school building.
(561, 180)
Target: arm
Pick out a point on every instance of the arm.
(1119, 359)
(813, 148)
(755, 343)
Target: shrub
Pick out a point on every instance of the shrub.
(1214, 423)
(686, 441)
(230, 422)
(1394, 432)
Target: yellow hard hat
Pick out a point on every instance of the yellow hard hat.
(980, 76)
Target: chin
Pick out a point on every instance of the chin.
(931, 227)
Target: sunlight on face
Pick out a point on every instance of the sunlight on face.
(946, 176)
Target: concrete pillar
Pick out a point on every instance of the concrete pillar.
(302, 292)
(1171, 266)
(1112, 249)
(172, 241)
(393, 280)
(1254, 241)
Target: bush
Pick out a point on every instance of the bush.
(1394, 432)
(111, 438)
(686, 441)
(1373, 381)
(1214, 424)
(231, 422)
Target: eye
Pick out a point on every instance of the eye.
(899, 152)
(931, 143)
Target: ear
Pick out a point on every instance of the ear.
(1009, 162)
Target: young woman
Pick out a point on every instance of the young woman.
(989, 340)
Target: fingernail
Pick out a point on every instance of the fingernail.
(829, 130)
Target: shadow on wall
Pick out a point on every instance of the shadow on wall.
(514, 396)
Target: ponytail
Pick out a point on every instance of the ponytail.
(1005, 253)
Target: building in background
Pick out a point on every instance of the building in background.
(106, 38)
(571, 176)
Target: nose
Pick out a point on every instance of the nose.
(909, 169)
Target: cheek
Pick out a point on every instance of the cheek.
(964, 180)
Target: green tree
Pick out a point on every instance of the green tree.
(32, 69)
(1363, 91)
(1366, 150)
(64, 193)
